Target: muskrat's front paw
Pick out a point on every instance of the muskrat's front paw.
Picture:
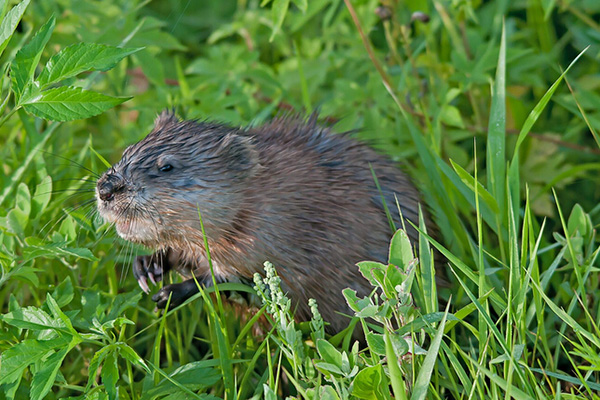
(148, 268)
(162, 296)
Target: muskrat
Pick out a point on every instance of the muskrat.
(290, 192)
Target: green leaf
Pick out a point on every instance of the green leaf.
(23, 200)
(278, 11)
(70, 103)
(97, 359)
(17, 221)
(371, 270)
(15, 359)
(329, 353)
(45, 377)
(130, 355)
(496, 141)
(376, 343)
(41, 196)
(37, 248)
(368, 383)
(10, 22)
(110, 374)
(301, 4)
(32, 318)
(26, 60)
(64, 292)
(451, 116)
(79, 58)
(401, 253)
(579, 221)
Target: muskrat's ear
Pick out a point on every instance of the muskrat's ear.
(239, 153)
(165, 118)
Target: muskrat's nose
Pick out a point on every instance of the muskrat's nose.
(108, 185)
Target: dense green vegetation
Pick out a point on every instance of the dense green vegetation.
(470, 96)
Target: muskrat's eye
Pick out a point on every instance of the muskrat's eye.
(165, 168)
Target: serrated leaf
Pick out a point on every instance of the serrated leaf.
(110, 374)
(122, 302)
(58, 313)
(10, 22)
(99, 356)
(129, 354)
(26, 60)
(32, 318)
(27, 274)
(15, 359)
(81, 57)
(45, 377)
(54, 250)
(69, 103)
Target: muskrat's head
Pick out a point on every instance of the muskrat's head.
(154, 193)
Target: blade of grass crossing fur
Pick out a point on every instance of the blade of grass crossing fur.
(513, 170)
(222, 350)
(427, 275)
(209, 259)
(242, 391)
(385, 207)
(496, 139)
(396, 378)
(247, 327)
(424, 377)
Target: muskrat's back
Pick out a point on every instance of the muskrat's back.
(290, 192)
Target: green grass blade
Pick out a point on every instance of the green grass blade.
(426, 371)
(496, 140)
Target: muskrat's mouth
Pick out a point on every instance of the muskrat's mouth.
(135, 230)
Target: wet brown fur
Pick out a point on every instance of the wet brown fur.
(290, 192)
